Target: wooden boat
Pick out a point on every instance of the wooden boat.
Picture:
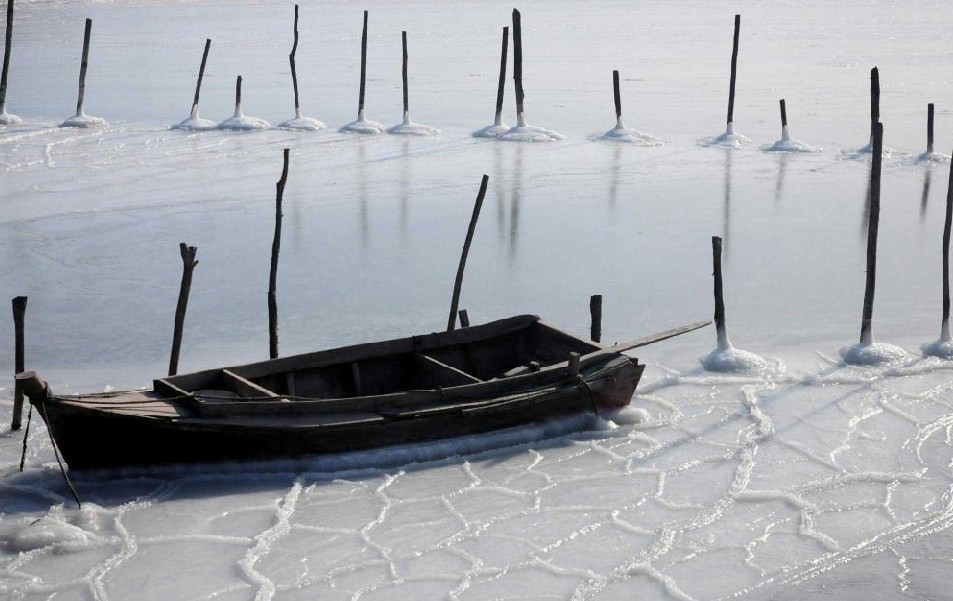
(476, 379)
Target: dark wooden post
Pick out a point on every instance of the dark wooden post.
(360, 98)
(464, 319)
(19, 313)
(947, 224)
(784, 114)
(238, 92)
(616, 95)
(188, 265)
(273, 277)
(874, 102)
(294, 73)
(720, 330)
(734, 71)
(82, 67)
(8, 44)
(930, 128)
(502, 83)
(458, 282)
(518, 62)
(873, 223)
(198, 84)
(403, 37)
(595, 318)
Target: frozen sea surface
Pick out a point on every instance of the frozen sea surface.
(812, 479)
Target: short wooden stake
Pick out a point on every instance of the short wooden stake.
(403, 38)
(294, 73)
(874, 102)
(198, 83)
(720, 329)
(360, 98)
(8, 44)
(238, 92)
(930, 128)
(82, 67)
(273, 277)
(873, 224)
(947, 225)
(784, 114)
(188, 265)
(518, 62)
(464, 319)
(595, 315)
(616, 94)
(734, 71)
(498, 120)
(575, 363)
(19, 313)
(458, 282)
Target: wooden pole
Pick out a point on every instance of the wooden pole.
(930, 128)
(720, 330)
(291, 59)
(238, 91)
(874, 102)
(403, 37)
(188, 265)
(8, 44)
(458, 282)
(360, 99)
(273, 277)
(19, 312)
(464, 319)
(616, 95)
(734, 71)
(595, 315)
(518, 62)
(499, 90)
(82, 67)
(947, 224)
(784, 114)
(873, 223)
(198, 84)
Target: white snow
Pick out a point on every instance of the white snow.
(410, 128)
(362, 125)
(621, 133)
(240, 121)
(195, 122)
(82, 120)
(789, 144)
(9, 118)
(875, 353)
(521, 132)
(729, 139)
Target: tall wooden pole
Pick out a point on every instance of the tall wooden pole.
(617, 96)
(19, 313)
(734, 71)
(360, 99)
(874, 102)
(294, 73)
(8, 44)
(502, 83)
(720, 330)
(198, 83)
(188, 265)
(930, 128)
(873, 223)
(82, 67)
(595, 318)
(518, 63)
(458, 282)
(947, 224)
(403, 38)
(273, 277)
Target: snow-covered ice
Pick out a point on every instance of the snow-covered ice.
(818, 480)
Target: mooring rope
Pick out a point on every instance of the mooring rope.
(56, 452)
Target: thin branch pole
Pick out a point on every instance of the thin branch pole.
(238, 91)
(720, 330)
(930, 128)
(502, 83)
(458, 282)
(360, 99)
(734, 71)
(518, 60)
(874, 102)
(947, 225)
(19, 313)
(291, 59)
(403, 72)
(273, 277)
(198, 83)
(617, 96)
(82, 67)
(873, 224)
(784, 114)
(188, 265)
(8, 44)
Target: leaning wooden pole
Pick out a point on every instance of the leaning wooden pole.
(458, 282)
(734, 72)
(720, 329)
(360, 98)
(874, 102)
(188, 265)
(498, 120)
(617, 96)
(82, 67)
(273, 277)
(873, 223)
(947, 225)
(7, 45)
(198, 83)
(518, 66)
(294, 73)
(930, 128)
(19, 313)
